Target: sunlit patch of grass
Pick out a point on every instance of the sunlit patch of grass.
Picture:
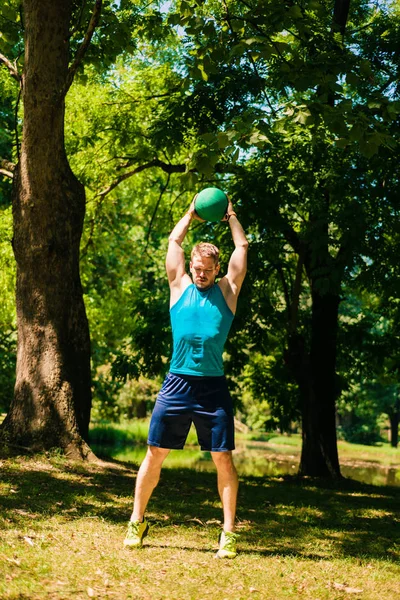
(286, 440)
(62, 533)
(383, 453)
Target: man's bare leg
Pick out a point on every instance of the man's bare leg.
(147, 479)
(227, 487)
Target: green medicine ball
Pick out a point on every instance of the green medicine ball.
(211, 204)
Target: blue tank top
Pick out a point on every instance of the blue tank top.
(200, 325)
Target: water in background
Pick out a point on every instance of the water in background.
(256, 459)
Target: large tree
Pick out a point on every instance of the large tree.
(52, 400)
(42, 47)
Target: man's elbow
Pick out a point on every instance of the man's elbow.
(243, 244)
(173, 239)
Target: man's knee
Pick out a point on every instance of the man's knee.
(155, 455)
(223, 460)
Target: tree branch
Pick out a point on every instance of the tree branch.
(7, 168)
(291, 236)
(12, 68)
(340, 15)
(6, 164)
(294, 305)
(94, 20)
(166, 167)
(153, 216)
(153, 163)
(6, 173)
(286, 292)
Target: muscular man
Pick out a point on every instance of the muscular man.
(195, 388)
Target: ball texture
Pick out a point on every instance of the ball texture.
(211, 204)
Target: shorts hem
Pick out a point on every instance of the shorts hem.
(155, 445)
(217, 449)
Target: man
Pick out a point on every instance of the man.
(195, 389)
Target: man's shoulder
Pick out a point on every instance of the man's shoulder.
(224, 285)
(229, 291)
(176, 291)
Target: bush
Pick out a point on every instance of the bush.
(360, 432)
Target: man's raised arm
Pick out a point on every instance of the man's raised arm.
(237, 267)
(175, 261)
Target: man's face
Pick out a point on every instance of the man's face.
(204, 271)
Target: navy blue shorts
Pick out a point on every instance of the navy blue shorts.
(184, 399)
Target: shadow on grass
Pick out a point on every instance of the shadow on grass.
(311, 519)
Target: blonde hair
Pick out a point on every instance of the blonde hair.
(204, 249)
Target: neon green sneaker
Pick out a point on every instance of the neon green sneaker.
(227, 545)
(136, 532)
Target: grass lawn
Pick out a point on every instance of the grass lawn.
(62, 525)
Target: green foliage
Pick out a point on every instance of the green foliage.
(11, 29)
(11, 46)
(7, 311)
(369, 358)
(272, 401)
(7, 369)
(358, 417)
(118, 436)
(7, 101)
(109, 437)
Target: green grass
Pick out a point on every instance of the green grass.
(62, 526)
(125, 433)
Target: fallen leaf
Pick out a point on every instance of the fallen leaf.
(346, 588)
(338, 586)
(29, 540)
(195, 520)
(25, 513)
(213, 522)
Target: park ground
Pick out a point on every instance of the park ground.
(63, 523)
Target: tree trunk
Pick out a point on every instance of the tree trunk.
(52, 401)
(319, 457)
(394, 418)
